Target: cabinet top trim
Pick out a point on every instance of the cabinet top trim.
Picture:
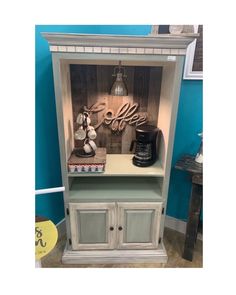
(160, 41)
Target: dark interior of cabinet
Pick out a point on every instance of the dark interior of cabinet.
(91, 84)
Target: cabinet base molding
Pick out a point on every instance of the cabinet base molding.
(114, 256)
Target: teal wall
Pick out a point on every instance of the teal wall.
(188, 125)
(48, 174)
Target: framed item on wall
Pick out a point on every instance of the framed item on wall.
(193, 68)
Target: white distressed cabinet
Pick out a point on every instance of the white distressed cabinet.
(118, 216)
(115, 225)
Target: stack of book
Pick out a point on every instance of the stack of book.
(94, 164)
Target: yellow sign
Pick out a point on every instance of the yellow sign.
(45, 238)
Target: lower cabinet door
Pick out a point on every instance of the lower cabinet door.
(138, 225)
(92, 225)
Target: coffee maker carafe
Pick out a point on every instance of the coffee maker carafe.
(146, 145)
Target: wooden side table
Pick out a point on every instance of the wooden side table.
(187, 163)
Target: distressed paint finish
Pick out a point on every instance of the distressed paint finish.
(90, 225)
(139, 224)
(171, 76)
(115, 50)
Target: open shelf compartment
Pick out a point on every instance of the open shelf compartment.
(115, 188)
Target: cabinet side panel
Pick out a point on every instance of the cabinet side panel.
(67, 108)
(61, 119)
(170, 90)
(165, 109)
(167, 120)
(62, 94)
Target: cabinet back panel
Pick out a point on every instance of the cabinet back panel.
(92, 83)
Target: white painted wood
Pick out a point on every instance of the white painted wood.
(132, 50)
(71, 48)
(170, 222)
(79, 49)
(165, 108)
(174, 51)
(111, 59)
(121, 165)
(114, 256)
(166, 51)
(159, 41)
(67, 108)
(76, 208)
(62, 48)
(53, 48)
(97, 49)
(60, 72)
(123, 210)
(167, 119)
(61, 78)
(115, 189)
(108, 50)
(115, 50)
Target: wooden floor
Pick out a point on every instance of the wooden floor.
(174, 242)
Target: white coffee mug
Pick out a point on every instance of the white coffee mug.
(89, 146)
(80, 134)
(80, 119)
(90, 128)
(92, 134)
(92, 144)
(88, 120)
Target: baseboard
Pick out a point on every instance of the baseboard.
(61, 228)
(175, 224)
(178, 225)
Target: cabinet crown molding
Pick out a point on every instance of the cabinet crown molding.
(58, 41)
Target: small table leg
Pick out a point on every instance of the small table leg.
(193, 220)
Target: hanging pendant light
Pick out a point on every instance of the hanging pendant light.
(119, 87)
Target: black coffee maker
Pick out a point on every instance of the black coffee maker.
(146, 145)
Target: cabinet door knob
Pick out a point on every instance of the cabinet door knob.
(111, 228)
(120, 228)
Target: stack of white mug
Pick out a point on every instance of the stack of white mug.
(86, 132)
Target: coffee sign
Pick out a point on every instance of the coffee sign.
(126, 114)
(117, 121)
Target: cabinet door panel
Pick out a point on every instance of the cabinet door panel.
(90, 225)
(140, 223)
(138, 226)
